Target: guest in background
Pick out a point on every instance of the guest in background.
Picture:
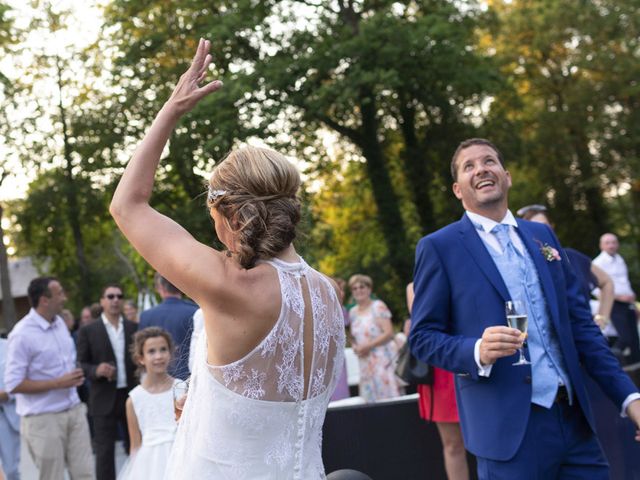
(96, 311)
(623, 314)
(437, 403)
(150, 409)
(69, 320)
(175, 315)
(41, 370)
(85, 316)
(589, 275)
(130, 311)
(371, 333)
(103, 348)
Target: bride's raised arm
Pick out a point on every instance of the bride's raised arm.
(167, 246)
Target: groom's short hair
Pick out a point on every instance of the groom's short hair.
(469, 143)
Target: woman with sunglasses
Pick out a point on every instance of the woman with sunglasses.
(271, 350)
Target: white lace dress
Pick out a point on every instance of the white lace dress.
(250, 419)
(157, 423)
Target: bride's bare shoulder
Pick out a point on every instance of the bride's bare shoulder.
(237, 288)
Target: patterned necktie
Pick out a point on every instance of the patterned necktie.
(501, 231)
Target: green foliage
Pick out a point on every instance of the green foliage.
(570, 116)
(372, 97)
(45, 233)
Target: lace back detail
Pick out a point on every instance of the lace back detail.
(282, 350)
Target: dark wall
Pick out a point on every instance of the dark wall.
(385, 441)
(389, 441)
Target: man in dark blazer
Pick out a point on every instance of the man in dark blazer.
(175, 315)
(103, 351)
(521, 421)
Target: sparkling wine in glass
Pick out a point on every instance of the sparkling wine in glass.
(180, 391)
(517, 318)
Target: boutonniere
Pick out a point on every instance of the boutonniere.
(549, 253)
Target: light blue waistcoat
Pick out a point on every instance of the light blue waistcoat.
(548, 369)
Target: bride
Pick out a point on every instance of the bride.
(271, 350)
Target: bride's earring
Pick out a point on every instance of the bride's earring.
(228, 253)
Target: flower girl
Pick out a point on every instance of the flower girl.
(150, 414)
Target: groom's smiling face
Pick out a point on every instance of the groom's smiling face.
(482, 182)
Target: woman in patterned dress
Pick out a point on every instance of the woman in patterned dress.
(371, 333)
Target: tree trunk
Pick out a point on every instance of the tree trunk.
(9, 315)
(390, 218)
(416, 166)
(593, 195)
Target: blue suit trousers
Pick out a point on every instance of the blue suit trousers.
(558, 445)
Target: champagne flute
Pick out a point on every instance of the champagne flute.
(517, 318)
(180, 391)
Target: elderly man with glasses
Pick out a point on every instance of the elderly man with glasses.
(103, 348)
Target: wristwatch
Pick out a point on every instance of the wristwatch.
(601, 319)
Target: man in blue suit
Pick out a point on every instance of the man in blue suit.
(176, 316)
(527, 421)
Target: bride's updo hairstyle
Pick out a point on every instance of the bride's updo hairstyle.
(255, 190)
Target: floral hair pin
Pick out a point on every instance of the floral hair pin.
(213, 195)
(549, 253)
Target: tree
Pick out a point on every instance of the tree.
(394, 80)
(381, 73)
(9, 37)
(571, 67)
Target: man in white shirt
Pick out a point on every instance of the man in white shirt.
(623, 314)
(41, 371)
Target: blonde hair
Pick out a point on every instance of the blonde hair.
(255, 189)
(360, 278)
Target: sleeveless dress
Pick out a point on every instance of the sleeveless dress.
(377, 376)
(158, 427)
(251, 419)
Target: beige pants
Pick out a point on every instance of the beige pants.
(56, 439)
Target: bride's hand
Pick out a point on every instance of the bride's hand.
(187, 92)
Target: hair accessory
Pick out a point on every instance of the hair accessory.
(535, 207)
(213, 195)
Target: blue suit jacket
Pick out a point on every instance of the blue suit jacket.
(459, 292)
(176, 316)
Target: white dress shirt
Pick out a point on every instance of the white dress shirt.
(490, 239)
(616, 268)
(116, 337)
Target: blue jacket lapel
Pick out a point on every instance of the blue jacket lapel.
(528, 238)
(476, 247)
